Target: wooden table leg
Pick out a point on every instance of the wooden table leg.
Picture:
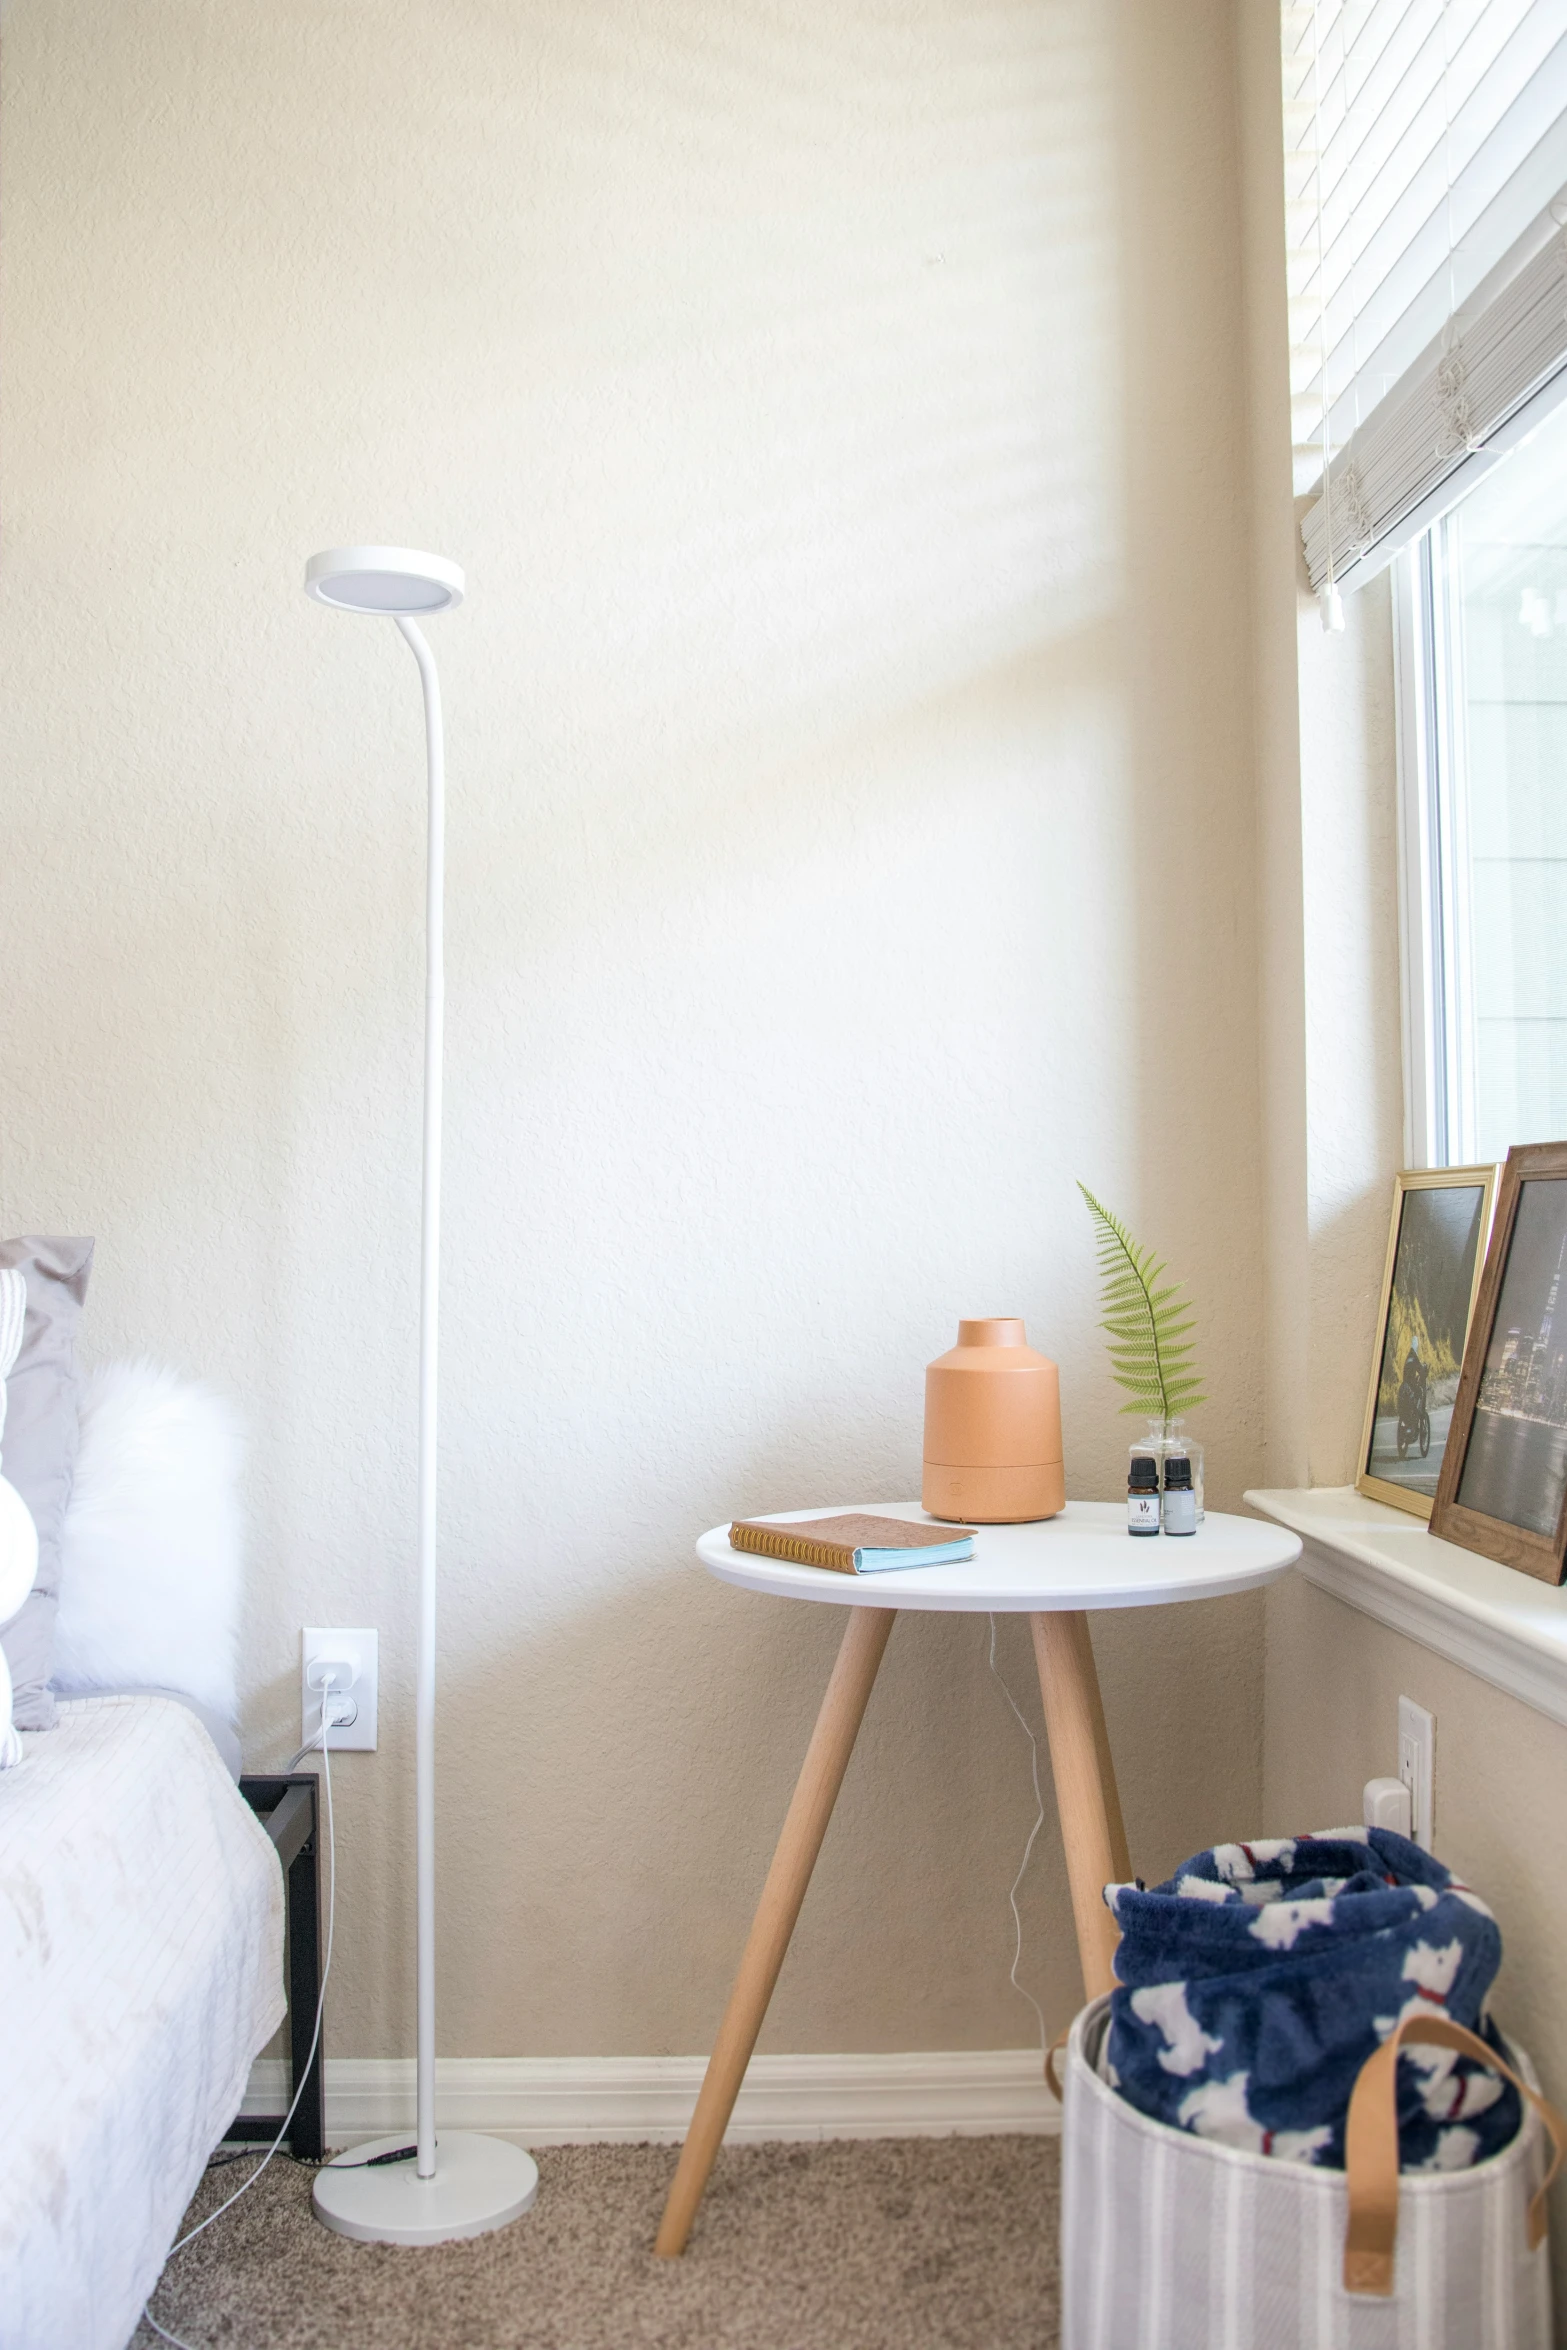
(1086, 1798)
(826, 1759)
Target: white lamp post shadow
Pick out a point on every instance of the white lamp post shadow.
(462, 2184)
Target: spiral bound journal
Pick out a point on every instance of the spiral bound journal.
(854, 1544)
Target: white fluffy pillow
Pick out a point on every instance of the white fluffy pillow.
(152, 1548)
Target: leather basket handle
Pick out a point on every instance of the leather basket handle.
(1059, 2041)
(1371, 2148)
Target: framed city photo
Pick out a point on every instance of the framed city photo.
(1435, 1257)
(1503, 1487)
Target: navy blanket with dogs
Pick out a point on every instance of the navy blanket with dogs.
(1255, 1983)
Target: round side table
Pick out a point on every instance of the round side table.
(1055, 1572)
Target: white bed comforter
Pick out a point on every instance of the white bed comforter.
(141, 1970)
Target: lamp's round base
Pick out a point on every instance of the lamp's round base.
(479, 2184)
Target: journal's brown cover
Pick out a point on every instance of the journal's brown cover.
(832, 1542)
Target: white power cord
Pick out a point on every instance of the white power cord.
(1028, 1849)
(321, 1741)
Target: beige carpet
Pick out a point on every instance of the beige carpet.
(892, 2244)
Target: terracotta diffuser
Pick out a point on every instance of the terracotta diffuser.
(993, 1428)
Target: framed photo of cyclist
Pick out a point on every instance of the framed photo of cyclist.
(1435, 1258)
(1503, 1488)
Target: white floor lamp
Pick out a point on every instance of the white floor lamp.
(461, 2184)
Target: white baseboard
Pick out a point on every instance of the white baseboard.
(588, 2100)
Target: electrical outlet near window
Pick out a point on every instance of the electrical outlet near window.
(1417, 1765)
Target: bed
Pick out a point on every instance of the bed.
(141, 1948)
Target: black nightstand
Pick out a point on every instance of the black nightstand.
(286, 1808)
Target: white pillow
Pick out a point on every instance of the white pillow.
(152, 1548)
(18, 1534)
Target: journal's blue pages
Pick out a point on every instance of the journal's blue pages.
(939, 1554)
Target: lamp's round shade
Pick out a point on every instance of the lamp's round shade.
(395, 581)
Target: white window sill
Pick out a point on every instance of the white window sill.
(1505, 1626)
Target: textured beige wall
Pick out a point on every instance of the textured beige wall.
(1326, 779)
(1334, 1679)
(1354, 1086)
(848, 735)
(1274, 553)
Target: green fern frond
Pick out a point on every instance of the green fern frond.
(1147, 1321)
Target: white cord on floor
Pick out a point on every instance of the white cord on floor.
(1028, 1849)
(315, 2037)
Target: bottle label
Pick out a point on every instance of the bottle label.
(1142, 1513)
(1180, 1510)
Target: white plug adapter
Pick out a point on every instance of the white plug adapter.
(1387, 1805)
(339, 1673)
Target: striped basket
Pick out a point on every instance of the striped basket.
(1173, 2242)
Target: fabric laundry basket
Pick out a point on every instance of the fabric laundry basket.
(1171, 2241)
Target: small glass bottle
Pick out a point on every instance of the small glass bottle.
(1180, 1502)
(1142, 1493)
(1176, 1440)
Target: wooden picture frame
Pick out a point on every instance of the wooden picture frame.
(1503, 1487)
(1439, 1249)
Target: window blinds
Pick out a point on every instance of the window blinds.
(1426, 189)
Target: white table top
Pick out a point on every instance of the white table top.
(1084, 1558)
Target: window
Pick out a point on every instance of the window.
(1481, 603)
(1425, 159)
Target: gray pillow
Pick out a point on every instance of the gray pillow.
(38, 1452)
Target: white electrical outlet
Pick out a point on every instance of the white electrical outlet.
(352, 1692)
(1417, 1765)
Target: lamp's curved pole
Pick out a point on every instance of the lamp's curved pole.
(429, 1312)
(481, 2183)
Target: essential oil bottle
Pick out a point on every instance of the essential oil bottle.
(1180, 1502)
(1142, 1494)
